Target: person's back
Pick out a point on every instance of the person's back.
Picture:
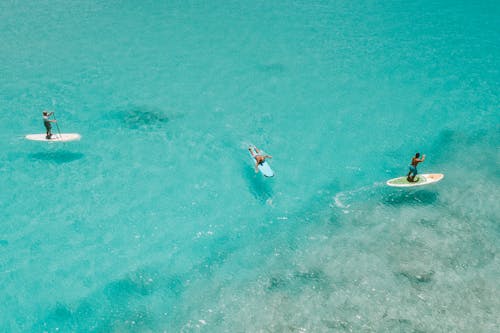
(258, 156)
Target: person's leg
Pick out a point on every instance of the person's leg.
(411, 174)
(408, 177)
(48, 131)
(414, 174)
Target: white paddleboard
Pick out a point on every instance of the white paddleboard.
(63, 137)
(265, 168)
(425, 179)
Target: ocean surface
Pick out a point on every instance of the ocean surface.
(156, 222)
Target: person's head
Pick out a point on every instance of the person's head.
(417, 155)
(45, 113)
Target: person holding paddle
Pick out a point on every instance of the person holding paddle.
(413, 167)
(47, 121)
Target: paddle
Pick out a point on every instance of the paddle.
(54, 115)
(57, 124)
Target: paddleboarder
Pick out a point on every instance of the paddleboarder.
(46, 122)
(413, 167)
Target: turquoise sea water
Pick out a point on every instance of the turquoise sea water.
(155, 220)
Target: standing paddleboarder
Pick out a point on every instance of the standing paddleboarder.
(46, 122)
(413, 167)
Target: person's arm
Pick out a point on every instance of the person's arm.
(268, 156)
(256, 167)
(422, 159)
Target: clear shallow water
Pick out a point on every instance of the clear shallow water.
(155, 221)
